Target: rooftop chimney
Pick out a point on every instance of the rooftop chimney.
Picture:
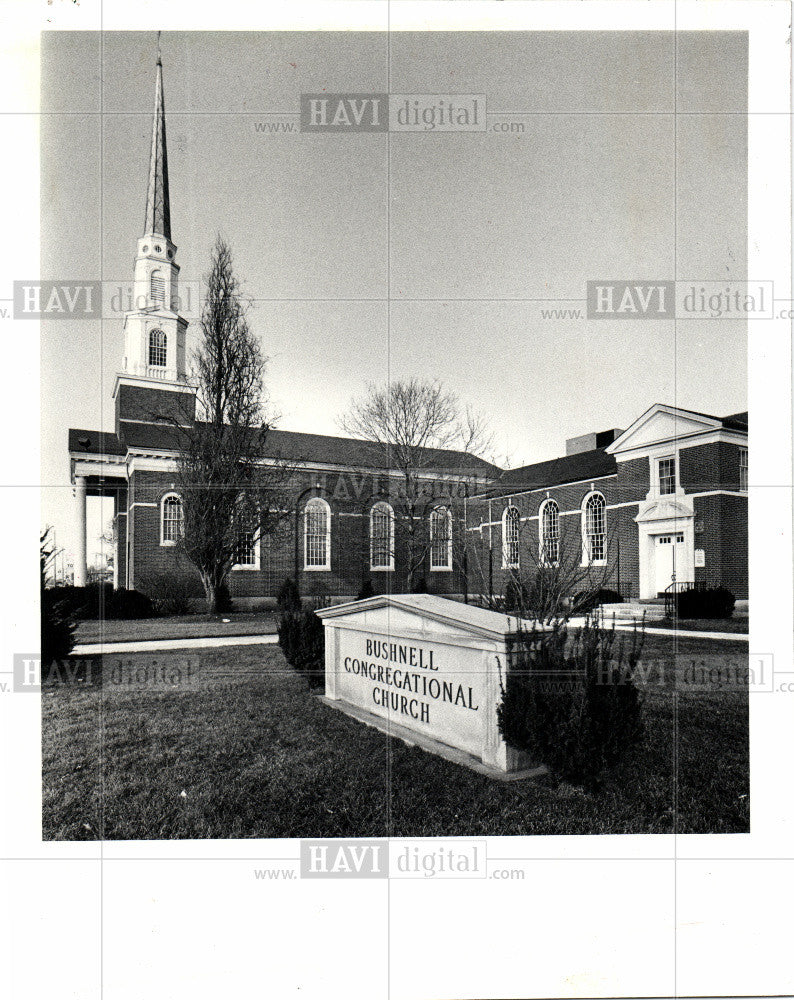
(588, 442)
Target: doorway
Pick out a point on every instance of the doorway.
(669, 560)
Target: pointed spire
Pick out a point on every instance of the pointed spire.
(158, 207)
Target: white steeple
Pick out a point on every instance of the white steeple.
(154, 332)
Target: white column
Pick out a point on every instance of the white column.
(80, 567)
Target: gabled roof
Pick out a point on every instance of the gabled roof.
(661, 423)
(455, 616)
(289, 446)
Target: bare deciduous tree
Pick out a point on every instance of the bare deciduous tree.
(406, 423)
(228, 492)
(546, 586)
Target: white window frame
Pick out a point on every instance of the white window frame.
(587, 559)
(447, 566)
(677, 481)
(544, 560)
(744, 469)
(157, 347)
(384, 507)
(168, 542)
(317, 502)
(255, 565)
(508, 563)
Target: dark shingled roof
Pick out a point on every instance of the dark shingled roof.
(95, 442)
(290, 446)
(557, 471)
(736, 421)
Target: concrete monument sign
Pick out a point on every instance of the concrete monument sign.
(427, 665)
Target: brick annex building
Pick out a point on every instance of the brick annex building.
(663, 500)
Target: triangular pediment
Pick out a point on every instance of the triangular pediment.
(421, 613)
(660, 424)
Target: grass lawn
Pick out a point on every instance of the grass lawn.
(230, 743)
(177, 627)
(739, 626)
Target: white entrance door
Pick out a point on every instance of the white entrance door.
(668, 552)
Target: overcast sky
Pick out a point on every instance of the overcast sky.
(603, 182)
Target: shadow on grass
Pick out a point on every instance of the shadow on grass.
(229, 743)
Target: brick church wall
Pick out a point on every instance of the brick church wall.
(281, 554)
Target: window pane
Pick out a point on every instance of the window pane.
(667, 475)
(246, 548)
(511, 526)
(550, 528)
(172, 519)
(595, 527)
(381, 536)
(440, 536)
(317, 531)
(743, 464)
(157, 349)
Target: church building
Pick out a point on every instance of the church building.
(663, 500)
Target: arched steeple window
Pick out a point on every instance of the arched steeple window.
(157, 348)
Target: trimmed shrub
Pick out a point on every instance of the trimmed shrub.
(100, 600)
(572, 703)
(170, 593)
(367, 590)
(57, 624)
(302, 639)
(706, 602)
(288, 597)
(588, 600)
(128, 604)
(57, 629)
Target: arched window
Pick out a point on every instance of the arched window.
(171, 524)
(157, 346)
(246, 524)
(157, 288)
(441, 538)
(511, 524)
(549, 533)
(381, 536)
(317, 535)
(595, 529)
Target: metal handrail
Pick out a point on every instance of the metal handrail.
(677, 587)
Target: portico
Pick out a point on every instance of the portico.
(96, 475)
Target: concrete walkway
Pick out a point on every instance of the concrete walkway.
(196, 642)
(159, 645)
(629, 626)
